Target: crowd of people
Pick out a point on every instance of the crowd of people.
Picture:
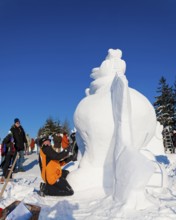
(54, 152)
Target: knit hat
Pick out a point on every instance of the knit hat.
(16, 120)
(43, 139)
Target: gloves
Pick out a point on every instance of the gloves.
(70, 150)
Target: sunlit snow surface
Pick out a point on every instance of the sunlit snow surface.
(90, 204)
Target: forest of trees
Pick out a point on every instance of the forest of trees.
(165, 104)
(51, 127)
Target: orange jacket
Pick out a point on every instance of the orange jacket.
(65, 141)
(32, 144)
(50, 164)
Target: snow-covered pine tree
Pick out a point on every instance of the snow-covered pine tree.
(164, 104)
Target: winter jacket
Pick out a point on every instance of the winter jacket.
(19, 137)
(57, 139)
(28, 139)
(8, 141)
(32, 144)
(50, 163)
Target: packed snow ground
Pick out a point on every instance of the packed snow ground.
(89, 204)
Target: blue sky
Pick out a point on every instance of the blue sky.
(49, 47)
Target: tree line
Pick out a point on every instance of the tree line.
(52, 126)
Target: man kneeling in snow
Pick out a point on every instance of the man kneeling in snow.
(50, 163)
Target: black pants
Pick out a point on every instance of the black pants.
(6, 163)
(60, 188)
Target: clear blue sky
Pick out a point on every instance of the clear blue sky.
(49, 47)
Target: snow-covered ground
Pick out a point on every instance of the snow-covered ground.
(89, 204)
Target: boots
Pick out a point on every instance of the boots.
(42, 188)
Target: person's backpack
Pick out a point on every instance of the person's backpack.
(3, 149)
(7, 145)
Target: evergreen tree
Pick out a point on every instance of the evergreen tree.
(50, 127)
(164, 104)
(66, 126)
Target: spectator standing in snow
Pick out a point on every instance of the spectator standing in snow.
(65, 140)
(8, 141)
(37, 143)
(57, 139)
(28, 144)
(32, 145)
(20, 143)
(74, 145)
(50, 163)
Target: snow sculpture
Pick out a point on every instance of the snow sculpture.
(114, 122)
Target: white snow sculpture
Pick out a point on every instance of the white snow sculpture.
(113, 123)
